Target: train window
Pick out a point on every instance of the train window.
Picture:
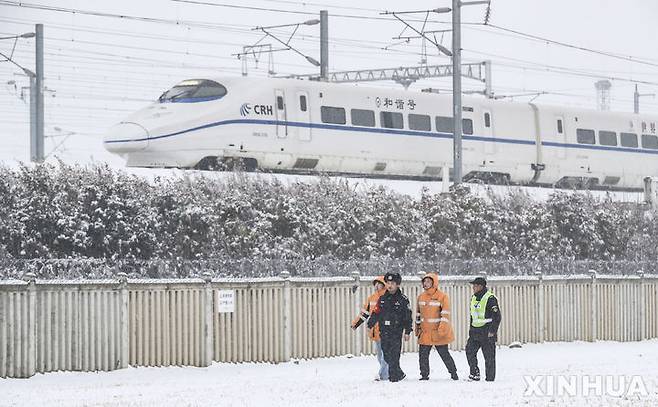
(391, 120)
(628, 139)
(467, 126)
(444, 125)
(302, 103)
(362, 117)
(585, 136)
(335, 115)
(559, 126)
(279, 102)
(193, 90)
(607, 138)
(649, 141)
(487, 120)
(419, 122)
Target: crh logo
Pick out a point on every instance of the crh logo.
(245, 109)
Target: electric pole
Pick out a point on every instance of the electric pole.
(457, 82)
(33, 116)
(456, 92)
(324, 44)
(38, 82)
(636, 99)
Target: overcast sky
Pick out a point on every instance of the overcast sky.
(99, 69)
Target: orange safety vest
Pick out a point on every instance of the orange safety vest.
(368, 306)
(433, 326)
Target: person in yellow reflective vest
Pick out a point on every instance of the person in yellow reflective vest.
(373, 333)
(483, 332)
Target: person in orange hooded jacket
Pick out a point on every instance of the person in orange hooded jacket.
(433, 327)
(373, 333)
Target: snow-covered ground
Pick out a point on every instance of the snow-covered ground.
(344, 381)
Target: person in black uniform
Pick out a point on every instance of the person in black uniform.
(393, 314)
(483, 332)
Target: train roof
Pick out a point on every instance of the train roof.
(475, 100)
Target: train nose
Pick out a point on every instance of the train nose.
(126, 137)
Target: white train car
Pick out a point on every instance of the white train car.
(293, 125)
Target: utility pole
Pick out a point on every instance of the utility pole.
(457, 83)
(636, 99)
(39, 137)
(324, 44)
(33, 116)
(488, 89)
(456, 92)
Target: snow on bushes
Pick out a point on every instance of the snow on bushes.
(72, 212)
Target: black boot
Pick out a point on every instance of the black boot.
(424, 378)
(454, 376)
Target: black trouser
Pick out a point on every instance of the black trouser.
(424, 359)
(391, 346)
(488, 345)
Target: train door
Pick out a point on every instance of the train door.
(304, 116)
(281, 114)
(561, 136)
(490, 144)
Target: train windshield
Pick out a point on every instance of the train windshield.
(193, 90)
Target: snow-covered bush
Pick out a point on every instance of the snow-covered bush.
(242, 225)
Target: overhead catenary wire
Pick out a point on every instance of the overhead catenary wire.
(83, 60)
(627, 58)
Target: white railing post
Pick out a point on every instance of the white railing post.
(541, 322)
(123, 321)
(593, 314)
(357, 306)
(287, 317)
(642, 312)
(31, 340)
(208, 324)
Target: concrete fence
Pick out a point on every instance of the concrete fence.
(48, 326)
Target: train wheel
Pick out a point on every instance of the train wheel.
(209, 164)
(240, 164)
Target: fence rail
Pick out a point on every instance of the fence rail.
(104, 325)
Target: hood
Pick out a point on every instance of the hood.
(380, 279)
(435, 281)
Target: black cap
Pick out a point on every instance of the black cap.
(393, 277)
(479, 280)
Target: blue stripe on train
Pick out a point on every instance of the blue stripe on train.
(388, 131)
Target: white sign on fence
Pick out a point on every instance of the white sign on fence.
(225, 301)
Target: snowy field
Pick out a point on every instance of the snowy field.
(346, 381)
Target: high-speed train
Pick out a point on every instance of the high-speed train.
(292, 125)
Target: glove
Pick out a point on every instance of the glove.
(417, 330)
